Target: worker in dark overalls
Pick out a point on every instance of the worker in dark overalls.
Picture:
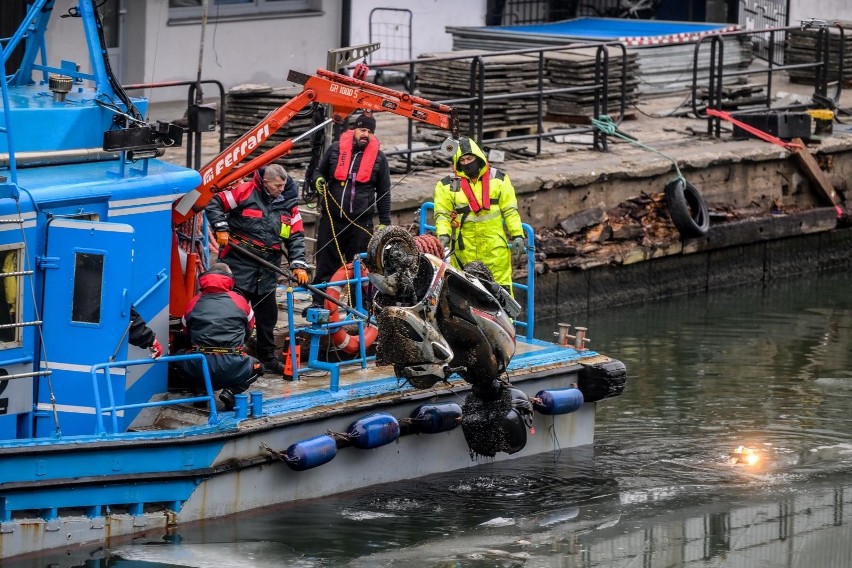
(261, 215)
(218, 321)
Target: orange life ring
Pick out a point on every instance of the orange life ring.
(341, 338)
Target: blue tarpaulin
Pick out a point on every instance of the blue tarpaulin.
(609, 29)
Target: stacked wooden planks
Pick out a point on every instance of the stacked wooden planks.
(575, 68)
(802, 48)
(499, 75)
(247, 105)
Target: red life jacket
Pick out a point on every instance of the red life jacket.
(475, 206)
(344, 159)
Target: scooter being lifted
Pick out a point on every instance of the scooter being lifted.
(435, 320)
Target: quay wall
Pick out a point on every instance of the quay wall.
(738, 174)
(753, 264)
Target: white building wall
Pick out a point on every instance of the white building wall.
(235, 52)
(64, 38)
(429, 18)
(819, 9)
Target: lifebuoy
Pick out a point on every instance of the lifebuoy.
(340, 337)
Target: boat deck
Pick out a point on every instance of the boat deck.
(311, 392)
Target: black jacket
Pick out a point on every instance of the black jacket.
(356, 198)
(261, 225)
(140, 334)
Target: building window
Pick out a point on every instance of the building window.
(218, 9)
(88, 287)
(10, 300)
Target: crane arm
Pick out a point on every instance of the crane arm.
(344, 94)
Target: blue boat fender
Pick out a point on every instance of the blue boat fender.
(434, 418)
(310, 453)
(558, 401)
(373, 431)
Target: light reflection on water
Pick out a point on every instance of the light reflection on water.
(770, 370)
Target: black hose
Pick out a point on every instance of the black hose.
(116, 86)
(248, 254)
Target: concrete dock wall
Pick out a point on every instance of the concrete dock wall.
(747, 264)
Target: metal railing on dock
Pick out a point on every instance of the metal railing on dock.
(774, 39)
(477, 98)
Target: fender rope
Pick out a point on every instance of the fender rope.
(608, 127)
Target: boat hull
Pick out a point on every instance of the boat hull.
(243, 475)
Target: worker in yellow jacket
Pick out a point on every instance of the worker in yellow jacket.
(470, 210)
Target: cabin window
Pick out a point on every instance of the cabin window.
(239, 9)
(10, 299)
(88, 287)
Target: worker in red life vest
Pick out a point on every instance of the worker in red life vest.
(471, 208)
(353, 180)
(261, 215)
(217, 323)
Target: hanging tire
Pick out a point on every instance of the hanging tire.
(687, 209)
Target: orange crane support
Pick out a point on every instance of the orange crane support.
(344, 95)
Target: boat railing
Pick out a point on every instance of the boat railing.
(317, 329)
(527, 326)
(113, 409)
(360, 318)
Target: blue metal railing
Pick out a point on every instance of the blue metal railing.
(361, 319)
(113, 408)
(317, 330)
(529, 325)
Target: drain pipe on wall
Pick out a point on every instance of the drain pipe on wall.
(345, 25)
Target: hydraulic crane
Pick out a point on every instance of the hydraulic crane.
(344, 95)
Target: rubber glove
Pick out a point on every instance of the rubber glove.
(222, 238)
(320, 185)
(301, 276)
(156, 349)
(445, 240)
(517, 246)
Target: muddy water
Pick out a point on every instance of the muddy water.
(768, 369)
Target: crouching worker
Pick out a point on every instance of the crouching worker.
(217, 322)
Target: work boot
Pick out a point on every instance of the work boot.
(228, 399)
(273, 367)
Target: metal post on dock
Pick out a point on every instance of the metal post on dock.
(563, 334)
(580, 338)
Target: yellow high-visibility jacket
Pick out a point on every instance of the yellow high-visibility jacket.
(478, 235)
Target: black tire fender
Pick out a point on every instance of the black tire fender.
(687, 209)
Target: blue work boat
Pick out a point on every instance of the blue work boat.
(94, 446)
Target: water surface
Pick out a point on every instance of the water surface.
(766, 369)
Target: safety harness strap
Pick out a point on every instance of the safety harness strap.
(218, 350)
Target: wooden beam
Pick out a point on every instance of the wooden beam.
(814, 173)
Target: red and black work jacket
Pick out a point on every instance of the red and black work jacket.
(263, 226)
(218, 316)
